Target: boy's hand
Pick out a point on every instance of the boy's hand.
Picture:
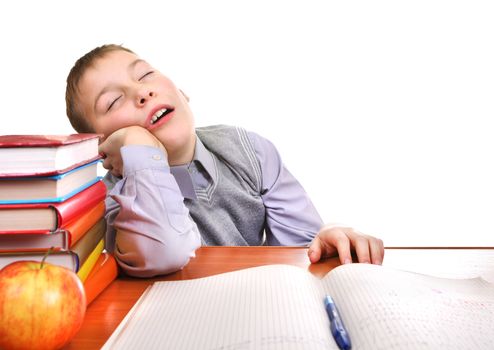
(132, 135)
(332, 240)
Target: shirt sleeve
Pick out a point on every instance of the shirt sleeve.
(291, 218)
(150, 231)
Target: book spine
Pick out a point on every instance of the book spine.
(102, 274)
(89, 240)
(91, 261)
(80, 203)
(79, 226)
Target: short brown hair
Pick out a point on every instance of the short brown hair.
(76, 118)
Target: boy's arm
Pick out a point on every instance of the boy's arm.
(291, 217)
(150, 231)
(293, 220)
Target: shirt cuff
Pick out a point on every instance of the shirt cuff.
(138, 157)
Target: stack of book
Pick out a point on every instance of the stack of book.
(52, 198)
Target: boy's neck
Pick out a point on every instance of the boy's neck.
(185, 156)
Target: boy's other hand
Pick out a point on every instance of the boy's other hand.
(132, 135)
(332, 240)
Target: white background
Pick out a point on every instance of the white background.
(380, 108)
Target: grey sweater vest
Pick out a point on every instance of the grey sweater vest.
(230, 211)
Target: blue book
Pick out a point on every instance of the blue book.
(44, 189)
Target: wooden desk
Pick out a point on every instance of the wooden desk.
(108, 310)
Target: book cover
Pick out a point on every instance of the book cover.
(62, 258)
(60, 239)
(36, 155)
(24, 141)
(85, 251)
(55, 188)
(45, 217)
(101, 275)
(91, 260)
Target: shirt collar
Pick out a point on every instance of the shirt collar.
(182, 175)
(203, 156)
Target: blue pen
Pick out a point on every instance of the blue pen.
(338, 330)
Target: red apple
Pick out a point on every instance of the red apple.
(42, 306)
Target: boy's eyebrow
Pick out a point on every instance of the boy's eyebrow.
(134, 63)
(130, 68)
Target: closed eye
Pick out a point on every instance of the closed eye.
(113, 102)
(145, 75)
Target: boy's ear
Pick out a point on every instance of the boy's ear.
(185, 95)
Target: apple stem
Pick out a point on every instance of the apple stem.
(44, 258)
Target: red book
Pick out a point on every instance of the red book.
(46, 217)
(37, 155)
(102, 274)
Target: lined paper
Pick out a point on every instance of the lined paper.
(280, 307)
(270, 307)
(393, 309)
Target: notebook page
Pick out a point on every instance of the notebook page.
(391, 309)
(268, 307)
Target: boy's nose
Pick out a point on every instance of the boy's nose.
(142, 98)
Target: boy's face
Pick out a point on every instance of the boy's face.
(121, 90)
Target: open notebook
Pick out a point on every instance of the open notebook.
(281, 307)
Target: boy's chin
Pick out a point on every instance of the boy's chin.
(174, 139)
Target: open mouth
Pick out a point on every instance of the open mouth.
(160, 114)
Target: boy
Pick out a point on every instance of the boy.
(172, 186)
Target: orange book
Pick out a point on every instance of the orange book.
(102, 274)
(81, 225)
